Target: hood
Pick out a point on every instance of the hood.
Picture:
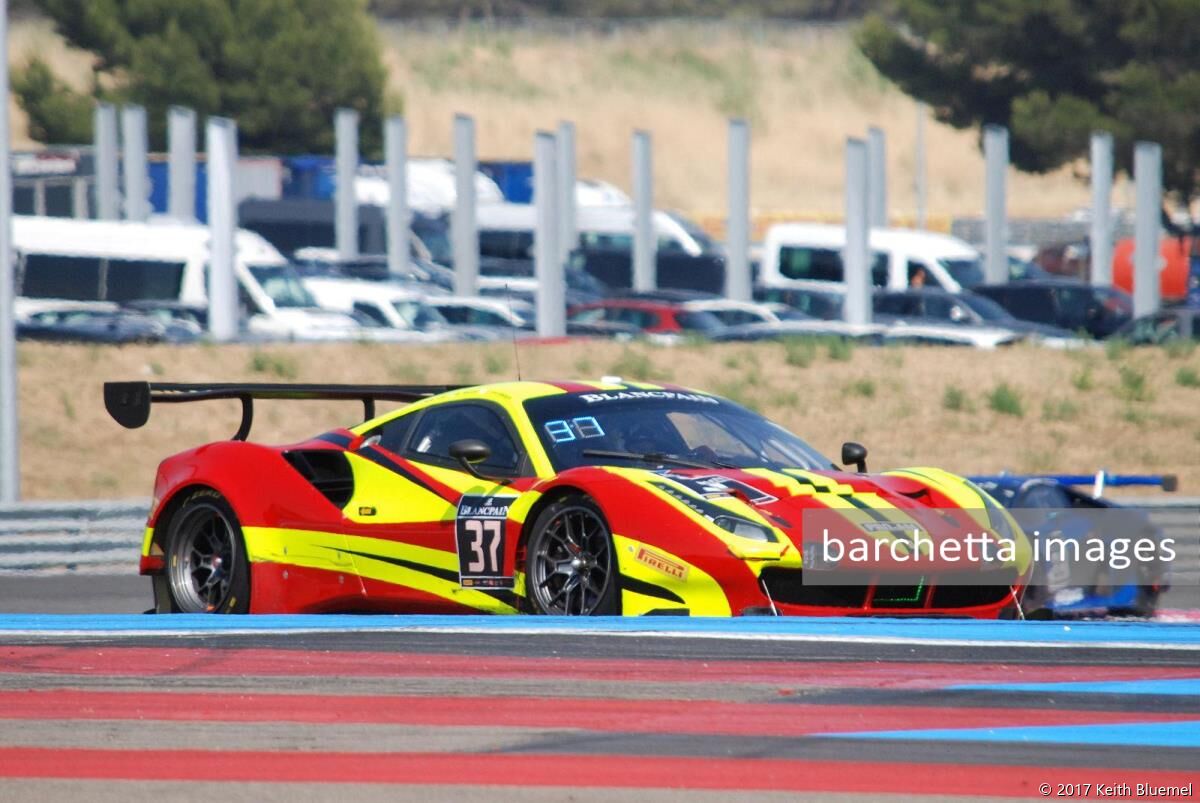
(788, 515)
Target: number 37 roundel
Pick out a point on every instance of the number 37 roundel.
(479, 533)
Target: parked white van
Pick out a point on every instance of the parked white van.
(810, 255)
(123, 261)
(506, 230)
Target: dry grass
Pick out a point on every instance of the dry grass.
(803, 89)
(71, 449)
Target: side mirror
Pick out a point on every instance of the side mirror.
(469, 452)
(855, 453)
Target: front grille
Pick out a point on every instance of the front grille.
(968, 596)
(787, 586)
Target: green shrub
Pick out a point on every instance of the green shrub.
(1082, 379)
(280, 365)
(1187, 377)
(1179, 348)
(841, 349)
(1059, 410)
(799, 351)
(862, 387)
(955, 399)
(1133, 386)
(1005, 400)
(1116, 348)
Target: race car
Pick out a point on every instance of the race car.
(562, 498)
(1064, 585)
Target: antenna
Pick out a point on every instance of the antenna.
(512, 325)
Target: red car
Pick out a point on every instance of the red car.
(650, 316)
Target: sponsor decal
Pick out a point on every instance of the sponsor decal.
(662, 563)
(630, 395)
(479, 536)
(712, 485)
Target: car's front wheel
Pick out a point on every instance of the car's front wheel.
(207, 568)
(570, 566)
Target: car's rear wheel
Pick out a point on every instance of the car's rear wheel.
(571, 569)
(207, 568)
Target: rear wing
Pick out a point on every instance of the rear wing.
(1099, 481)
(129, 402)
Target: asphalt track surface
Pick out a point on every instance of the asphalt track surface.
(130, 707)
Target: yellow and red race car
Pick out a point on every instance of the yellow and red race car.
(568, 498)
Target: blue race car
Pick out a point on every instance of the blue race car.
(1055, 507)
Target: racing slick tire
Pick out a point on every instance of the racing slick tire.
(207, 569)
(571, 566)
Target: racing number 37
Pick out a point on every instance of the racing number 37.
(479, 533)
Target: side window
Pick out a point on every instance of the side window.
(943, 308)
(394, 433)
(136, 279)
(441, 426)
(370, 314)
(53, 276)
(817, 264)
(879, 269)
(894, 305)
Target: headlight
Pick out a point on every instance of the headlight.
(745, 528)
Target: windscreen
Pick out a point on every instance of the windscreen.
(283, 285)
(692, 426)
(986, 308)
(967, 272)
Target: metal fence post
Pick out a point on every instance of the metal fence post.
(1101, 245)
(221, 144)
(395, 139)
(464, 230)
(877, 177)
(568, 234)
(104, 123)
(133, 163)
(737, 227)
(1147, 175)
(856, 258)
(181, 163)
(995, 151)
(10, 431)
(345, 197)
(644, 242)
(548, 265)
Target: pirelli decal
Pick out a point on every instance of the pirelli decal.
(662, 564)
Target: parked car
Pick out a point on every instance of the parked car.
(816, 303)
(651, 317)
(1173, 323)
(965, 308)
(1099, 311)
(1051, 506)
(810, 255)
(495, 313)
(735, 313)
(115, 326)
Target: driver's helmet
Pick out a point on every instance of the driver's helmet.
(650, 433)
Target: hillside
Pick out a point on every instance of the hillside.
(1121, 410)
(805, 88)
